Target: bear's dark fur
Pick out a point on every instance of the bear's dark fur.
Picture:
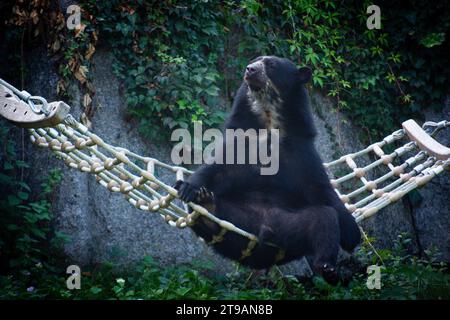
(295, 209)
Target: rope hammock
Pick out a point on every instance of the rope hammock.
(364, 186)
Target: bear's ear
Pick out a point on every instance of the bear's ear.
(304, 74)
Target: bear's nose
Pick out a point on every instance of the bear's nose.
(250, 70)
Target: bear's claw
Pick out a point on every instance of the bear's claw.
(190, 193)
(330, 274)
(204, 196)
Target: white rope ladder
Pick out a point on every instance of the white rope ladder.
(135, 176)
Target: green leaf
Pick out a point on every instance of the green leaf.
(8, 166)
(212, 91)
(433, 39)
(13, 200)
(12, 227)
(183, 291)
(95, 290)
(23, 195)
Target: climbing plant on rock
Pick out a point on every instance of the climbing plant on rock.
(181, 61)
(175, 57)
(71, 49)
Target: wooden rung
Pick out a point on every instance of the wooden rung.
(425, 141)
(18, 112)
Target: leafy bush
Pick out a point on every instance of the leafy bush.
(28, 245)
(402, 277)
(166, 55)
(181, 61)
(175, 57)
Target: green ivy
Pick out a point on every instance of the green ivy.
(181, 61)
(27, 240)
(403, 276)
(177, 59)
(166, 55)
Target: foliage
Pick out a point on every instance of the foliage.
(181, 61)
(175, 57)
(27, 241)
(166, 55)
(402, 277)
(72, 51)
(31, 23)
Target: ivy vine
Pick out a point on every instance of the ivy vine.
(181, 61)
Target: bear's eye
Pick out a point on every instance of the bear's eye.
(269, 64)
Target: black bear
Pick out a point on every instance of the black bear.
(295, 209)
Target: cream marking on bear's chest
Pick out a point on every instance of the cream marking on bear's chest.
(267, 104)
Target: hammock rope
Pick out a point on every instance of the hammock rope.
(136, 177)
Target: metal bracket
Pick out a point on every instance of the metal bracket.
(20, 113)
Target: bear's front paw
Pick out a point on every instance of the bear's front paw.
(186, 191)
(190, 193)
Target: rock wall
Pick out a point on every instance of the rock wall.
(432, 216)
(103, 226)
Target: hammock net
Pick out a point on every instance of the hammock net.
(366, 181)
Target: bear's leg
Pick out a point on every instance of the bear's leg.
(325, 269)
(324, 240)
(317, 237)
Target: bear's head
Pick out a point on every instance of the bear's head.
(270, 73)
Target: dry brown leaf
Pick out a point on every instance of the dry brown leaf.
(80, 74)
(60, 87)
(72, 64)
(79, 29)
(56, 45)
(34, 17)
(87, 100)
(90, 87)
(89, 52)
(85, 120)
